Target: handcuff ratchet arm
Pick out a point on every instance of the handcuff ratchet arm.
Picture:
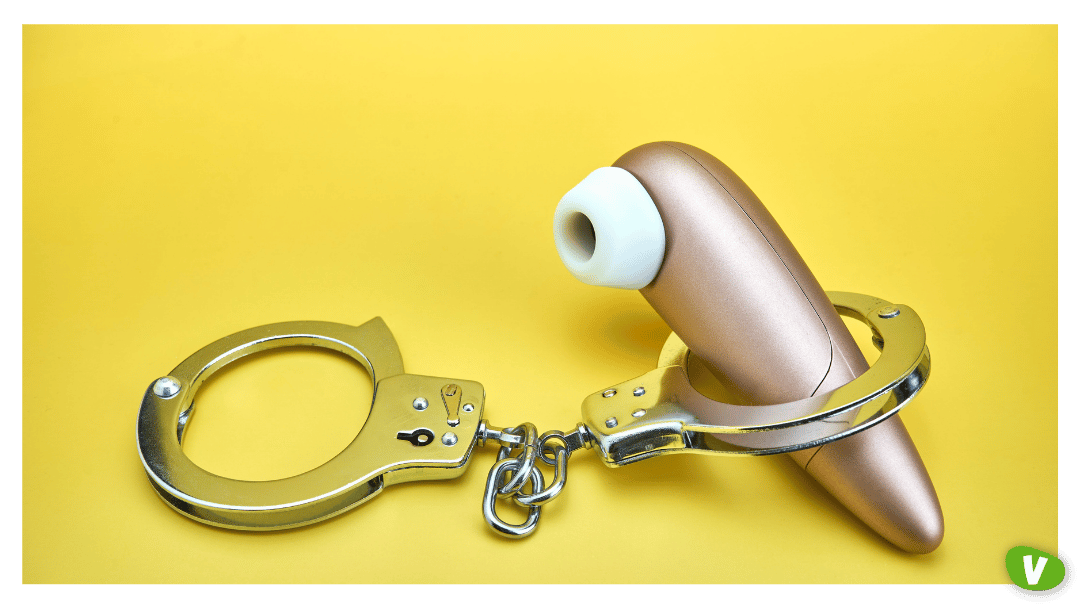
(661, 412)
(376, 457)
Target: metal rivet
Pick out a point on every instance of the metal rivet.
(888, 312)
(166, 387)
(449, 439)
(611, 422)
(609, 393)
(419, 404)
(638, 413)
(639, 391)
(468, 407)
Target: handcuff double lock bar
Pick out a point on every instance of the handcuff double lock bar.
(426, 428)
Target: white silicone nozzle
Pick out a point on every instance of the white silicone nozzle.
(608, 231)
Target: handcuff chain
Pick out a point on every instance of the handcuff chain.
(553, 448)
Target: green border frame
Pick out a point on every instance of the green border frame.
(551, 11)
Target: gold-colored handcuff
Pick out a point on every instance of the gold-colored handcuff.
(425, 428)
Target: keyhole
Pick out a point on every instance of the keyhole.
(419, 437)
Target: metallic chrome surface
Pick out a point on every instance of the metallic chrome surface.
(527, 459)
(373, 460)
(888, 312)
(679, 419)
(544, 495)
(550, 442)
(166, 387)
(451, 396)
(560, 445)
(490, 494)
(395, 443)
(572, 441)
(503, 437)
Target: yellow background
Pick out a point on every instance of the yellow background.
(183, 183)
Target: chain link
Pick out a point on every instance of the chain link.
(553, 448)
(526, 460)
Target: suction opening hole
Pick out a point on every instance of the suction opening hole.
(580, 236)
(278, 413)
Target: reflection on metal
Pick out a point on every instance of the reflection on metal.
(374, 459)
(658, 413)
(677, 418)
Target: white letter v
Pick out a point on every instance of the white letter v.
(1033, 574)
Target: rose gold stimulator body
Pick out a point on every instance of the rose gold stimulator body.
(731, 285)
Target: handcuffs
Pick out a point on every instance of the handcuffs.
(426, 428)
